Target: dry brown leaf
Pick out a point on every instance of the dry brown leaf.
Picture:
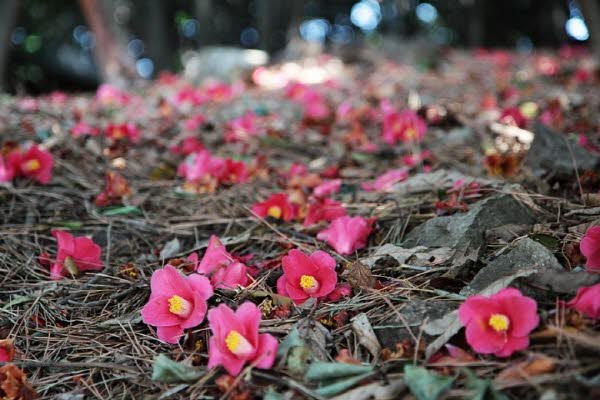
(14, 384)
(359, 276)
(537, 364)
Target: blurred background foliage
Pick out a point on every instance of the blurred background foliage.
(50, 45)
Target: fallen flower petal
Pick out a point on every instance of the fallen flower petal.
(75, 254)
(307, 276)
(590, 248)
(499, 324)
(277, 206)
(347, 234)
(587, 301)
(236, 340)
(7, 350)
(386, 181)
(176, 302)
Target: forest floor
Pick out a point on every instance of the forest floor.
(497, 193)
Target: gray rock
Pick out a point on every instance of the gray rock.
(529, 255)
(466, 232)
(414, 315)
(549, 154)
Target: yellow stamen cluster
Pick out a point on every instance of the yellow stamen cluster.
(499, 322)
(274, 211)
(176, 304)
(233, 340)
(31, 165)
(307, 282)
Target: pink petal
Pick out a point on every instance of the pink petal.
(267, 351)
(327, 279)
(167, 282)
(249, 316)
(198, 313)
(156, 313)
(482, 339)
(169, 334)
(282, 286)
(513, 344)
(323, 260)
(200, 284)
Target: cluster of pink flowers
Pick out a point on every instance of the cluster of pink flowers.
(314, 103)
(35, 163)
(277, 206)
(227, 271)
(178, 302)
(128, 131)
(108, 94)
(74, 255)
(500, 324)
(404, 126)
(242, 128)
(201, 167)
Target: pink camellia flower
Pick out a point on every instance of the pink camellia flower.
(227, 272)
(327, 188)
(231, 276)
(193, 123)
(84, 129)
(110, 95)
(386, 181)
(587, 301)
(176, 302)
(219, 91)
(236, 340)
(347, 234)
(499, 324)
(307, 276)
(7, 350)
(513, 116)
(324, 210)
(405, 126)
(215, 256)
(277, 206)
(189, 96)
(74, 254)
(590, 248)
(241, 128)
(35, 163)
(189, 145)
(121, 131)
(232, 172)
(198, 164)
(7, 170)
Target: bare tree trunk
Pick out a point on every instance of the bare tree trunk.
(204, 15)
(8, 18)
(591, 13)
(113, 62)
(156, 33)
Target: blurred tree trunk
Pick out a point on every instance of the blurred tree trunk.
(155, 31)
(476, 15)
(113, 62)
(8, 18)
(591, 13)
(205, 16)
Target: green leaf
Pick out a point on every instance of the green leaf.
(548, 241)
(68, 224)
(169, 371)
(124, 210)
(330, 370)
(16, 300)
(292, 340)
(425, 385)
(482, 388)
(342, 385)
